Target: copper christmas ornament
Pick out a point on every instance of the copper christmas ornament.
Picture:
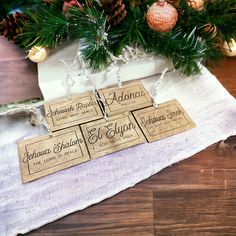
(162, 17)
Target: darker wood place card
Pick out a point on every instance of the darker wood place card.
(167, 119)
(119, 132)
(44, 155)
(66, 112)
(129, 97)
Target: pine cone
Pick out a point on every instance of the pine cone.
(115, 10)
(11, 26)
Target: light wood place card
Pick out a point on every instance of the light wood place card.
(66, 112)
(129, 97)
(43, 155)
(105, 137)
(167, 119)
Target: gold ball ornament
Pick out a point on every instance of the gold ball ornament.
(196, 4)
(161, 17)
(229, 49)
(38, 54)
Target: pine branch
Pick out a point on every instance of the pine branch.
(195, 37)
(218, 14)
(47, 27)
(185, 49)
(19, 5)
(222, 14)
(132, 31)
(90, 26)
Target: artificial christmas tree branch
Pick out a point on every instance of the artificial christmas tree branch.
(107, 27)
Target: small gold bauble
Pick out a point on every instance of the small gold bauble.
(162, 17)
(38, 54)
(229, 50)
(196, 4)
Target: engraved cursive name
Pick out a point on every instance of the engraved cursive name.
(115, 129)
(111, 130)
(154, 119)
(94, 135)
(151, 120)
(124, 96)
(78, 106)
(81, 106)
(58, 147)
(172, 114)
(60, 111)
(35, 154)
(63, 145)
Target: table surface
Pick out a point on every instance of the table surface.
(194, 197)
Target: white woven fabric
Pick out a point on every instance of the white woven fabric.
(24, 207)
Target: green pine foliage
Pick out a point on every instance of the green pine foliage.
(195, 37)
(89, 25)
(132, 31)
(218, 13)
(185, 49)
(47, 27)
(8, 6)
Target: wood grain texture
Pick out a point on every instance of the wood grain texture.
(66, 112)
(18, 77)
(158, 204)
(134, 211)
(43, 155)
(226, 73)
(131, 96)
(104, 137)
(167, 119)
(201, 212)
(208, 180)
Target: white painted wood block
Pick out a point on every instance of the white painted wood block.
(51, 72)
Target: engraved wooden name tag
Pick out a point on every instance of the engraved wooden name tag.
(104, 137)
(167, 119)
(66, 112)
(130, 97)
(44, 155)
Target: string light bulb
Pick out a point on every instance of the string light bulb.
(229, 49)
(38, 54)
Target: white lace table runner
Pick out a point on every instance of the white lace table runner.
(24, 207)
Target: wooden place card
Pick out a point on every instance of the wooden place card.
(44, 155)
(104, 137)
(66, 112)
(167, 119)
(129, 97)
